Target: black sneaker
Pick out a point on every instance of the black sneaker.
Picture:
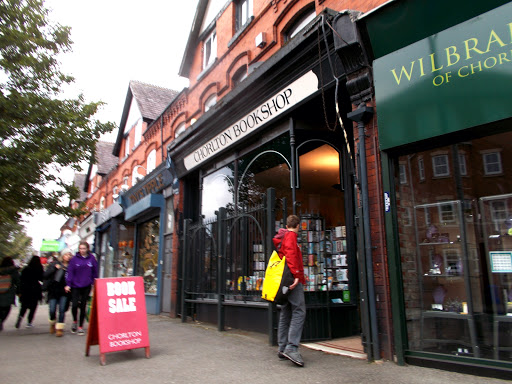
(281, 356)
(294, 357)
(74, 327)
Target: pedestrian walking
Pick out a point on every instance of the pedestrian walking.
(9, 286)
(293, 312)
(58, 298)
(82, 270)
(30, 292)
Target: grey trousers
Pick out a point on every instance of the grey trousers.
(291, 320)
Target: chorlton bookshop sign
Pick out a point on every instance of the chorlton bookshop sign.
(254, 120)
(118, 319)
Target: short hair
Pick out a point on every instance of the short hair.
(292, 221)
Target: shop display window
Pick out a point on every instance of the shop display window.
(456, 252)
(147, 255)
(125, 249)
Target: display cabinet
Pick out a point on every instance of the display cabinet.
(444, 243)
(497, 233)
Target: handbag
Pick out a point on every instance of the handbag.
(278, 279)
(59, 274)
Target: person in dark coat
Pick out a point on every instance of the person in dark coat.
(55, 277)
(8, 298)
(31, 292)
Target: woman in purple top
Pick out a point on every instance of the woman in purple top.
(82, 270)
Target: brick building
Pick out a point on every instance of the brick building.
(347, 115)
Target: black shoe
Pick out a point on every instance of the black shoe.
(281, 356)
(18, 322)
(74, 327)
(294, 357)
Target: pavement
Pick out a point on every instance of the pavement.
(189, 352)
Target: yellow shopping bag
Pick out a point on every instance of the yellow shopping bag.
(277, 280)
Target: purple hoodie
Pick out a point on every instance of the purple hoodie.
(82, 271)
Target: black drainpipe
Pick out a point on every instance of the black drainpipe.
(294, 166)
(162, 135)
(362, 115)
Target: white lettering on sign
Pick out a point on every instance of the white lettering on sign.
(269, 110)
(121, 304)
(124, 339)
(121, 288)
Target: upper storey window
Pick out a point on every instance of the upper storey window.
(179, 130)
(127, 146)
(151, 161)
(239, 75)
(243, 13)
(300, 22)
(209, 49)
(210, 102)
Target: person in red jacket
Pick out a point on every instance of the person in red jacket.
(293, 313)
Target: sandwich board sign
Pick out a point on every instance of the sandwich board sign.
(118, 319)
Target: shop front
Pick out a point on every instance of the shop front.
(445, 129)
(145, 212)
(114, 242)
(275, 147)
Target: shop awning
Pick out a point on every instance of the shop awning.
(51, 246)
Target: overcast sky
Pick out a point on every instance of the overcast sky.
(115, 41)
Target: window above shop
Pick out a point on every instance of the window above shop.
(304, 18)
(209, 49)
(210, 102)
(126, 147)
(239, 76)
(243, 13)
(179, 130)
(151, 161)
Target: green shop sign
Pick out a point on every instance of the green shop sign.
(453, 80)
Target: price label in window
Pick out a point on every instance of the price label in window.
(501, 261)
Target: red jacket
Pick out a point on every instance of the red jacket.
(290, 249)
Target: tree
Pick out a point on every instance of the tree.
(41, 131)
(14, 241)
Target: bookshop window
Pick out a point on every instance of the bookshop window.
(319, 182)
(268, 167)
(147, 261)
(456, 254)
(323, 233)
(218, 188)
